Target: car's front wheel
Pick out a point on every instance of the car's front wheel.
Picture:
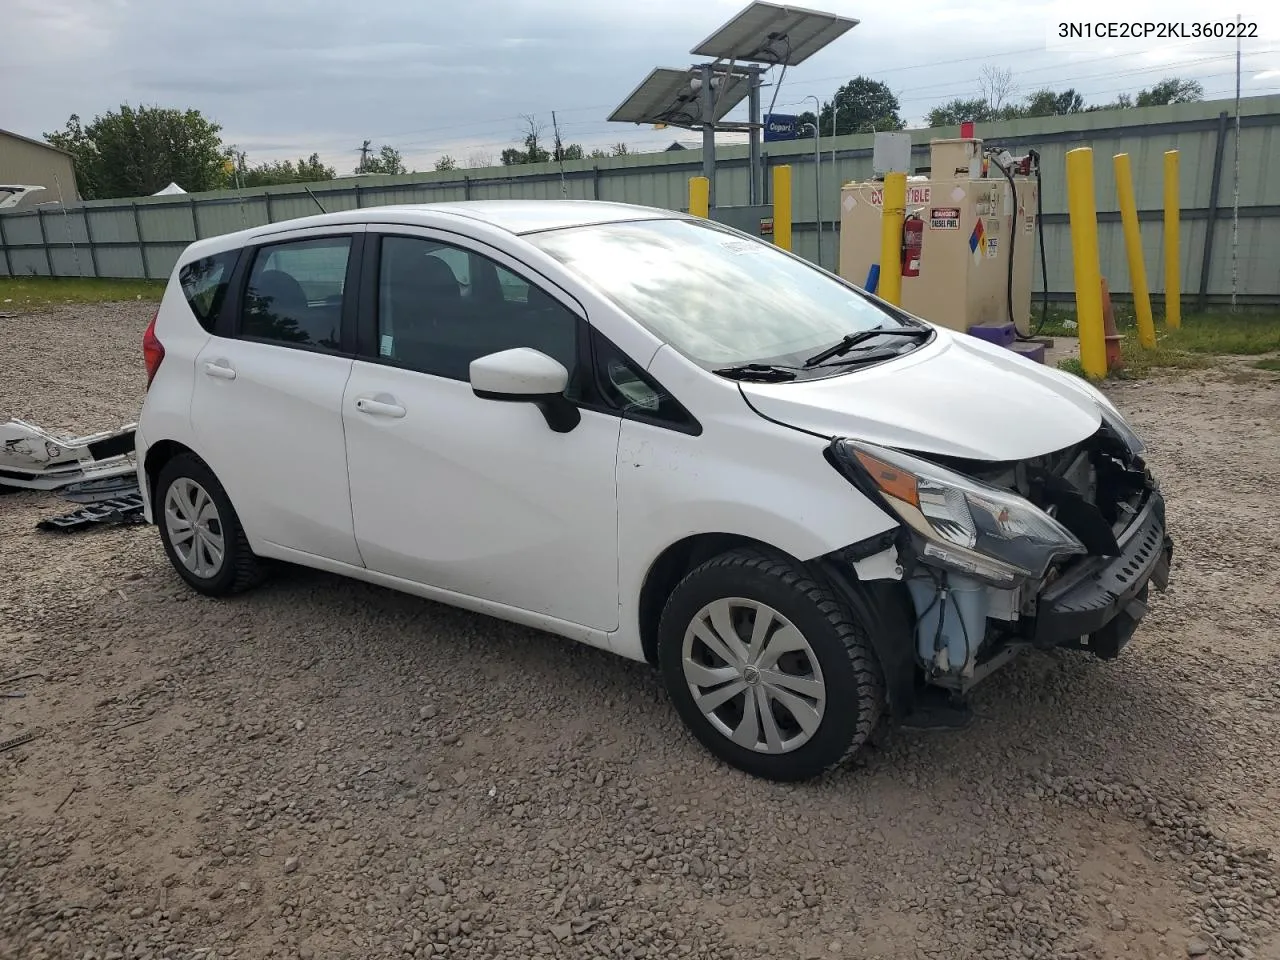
(200, 530)
(767, 667)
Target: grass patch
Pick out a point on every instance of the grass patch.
(1225, 334)
(1200, 338)
(1057, 322)
(1268, 363)
(17, 293)
(1073, 365)
(1195, 345)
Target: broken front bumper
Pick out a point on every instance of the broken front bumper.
(1098, 604)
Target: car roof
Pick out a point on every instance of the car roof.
(529, 216)
(512, 216)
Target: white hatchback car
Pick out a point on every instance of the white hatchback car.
(655, 435)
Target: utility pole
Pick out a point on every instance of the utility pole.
(364, 156)
(1235, 192)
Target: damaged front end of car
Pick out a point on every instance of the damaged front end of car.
(1058, 550)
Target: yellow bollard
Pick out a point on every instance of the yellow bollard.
(1172, 260)
(700, 197)
(1084, 250)
(1133, 246)
(782, 207)
(892, 211)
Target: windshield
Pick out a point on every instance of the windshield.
(718, 298)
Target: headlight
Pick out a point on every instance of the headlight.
(969, 526)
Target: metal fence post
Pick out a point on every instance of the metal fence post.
(1206, 260)
(270, 213)
(4, 245)
(44, 239)
(142, 244)
(359, 197)
(195, 221)
(88, 235)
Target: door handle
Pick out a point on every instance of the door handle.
(379, 408)
(220, 369)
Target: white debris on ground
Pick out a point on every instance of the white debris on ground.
(324, 769)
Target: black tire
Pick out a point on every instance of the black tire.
(240, 568)
(850, 672)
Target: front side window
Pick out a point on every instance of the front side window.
(204, 283)
(431, 321)
(294, 294)
(714, 296)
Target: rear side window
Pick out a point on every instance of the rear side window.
(295, 290)
(204, 284)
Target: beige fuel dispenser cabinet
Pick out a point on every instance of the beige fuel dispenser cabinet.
(966, 225)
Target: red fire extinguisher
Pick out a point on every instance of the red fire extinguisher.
(912, 245)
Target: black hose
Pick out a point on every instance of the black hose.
(1044, 261)
(1013, 237)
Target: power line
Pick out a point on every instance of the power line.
(483, 127)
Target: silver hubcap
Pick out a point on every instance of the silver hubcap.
(754, 676)
(194, 528)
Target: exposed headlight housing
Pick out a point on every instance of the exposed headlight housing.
(1110, 415)
(1120, 427)
(980, 530)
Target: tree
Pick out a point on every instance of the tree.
(1170, 90)
(388, 160)
(997, 86)
(956, 112)
(1122, 102)
(446, 163)
(865, 105)
(599, 154)
(273, 172)
(480, 158)
(533, 151)
(620, 150)
(136, 151)
(1050, 103)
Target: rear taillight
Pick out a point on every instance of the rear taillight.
(152, 350)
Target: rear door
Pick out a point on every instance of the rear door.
(267, 405)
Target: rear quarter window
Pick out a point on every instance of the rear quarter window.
(204, 283)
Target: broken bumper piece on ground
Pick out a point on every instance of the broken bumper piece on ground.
(34, 459)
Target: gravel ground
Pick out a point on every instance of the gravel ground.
(326, 769)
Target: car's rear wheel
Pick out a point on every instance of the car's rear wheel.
(200, 530)
(767, 667)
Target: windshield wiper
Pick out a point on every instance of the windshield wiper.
(765, 372)
(851, 340)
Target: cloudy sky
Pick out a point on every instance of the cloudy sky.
(286, 77)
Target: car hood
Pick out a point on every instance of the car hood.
(955, 396)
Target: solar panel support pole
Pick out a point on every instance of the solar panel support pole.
(755, 178)
(708, 134)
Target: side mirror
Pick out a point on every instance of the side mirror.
(525, 375)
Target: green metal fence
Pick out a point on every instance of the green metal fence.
(144, 236)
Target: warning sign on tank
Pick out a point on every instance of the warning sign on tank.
(917, 196)
(944, 218)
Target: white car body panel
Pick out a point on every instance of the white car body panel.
(958, 396)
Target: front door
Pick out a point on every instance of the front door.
(475, 496)
(267, 404)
